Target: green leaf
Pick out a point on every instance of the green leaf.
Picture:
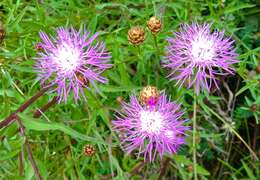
(181, 159)
(249, 172)
(119, 89)
(39, 125)
(248, 86)
(233, 9)
(29, 173)
(5, 156)
(202, 171)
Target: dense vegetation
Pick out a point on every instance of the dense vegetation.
(227, 118)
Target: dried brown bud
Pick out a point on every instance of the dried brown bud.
(154, 24)
(136, 35)
(257, 69)
(253, 108)
(2, 32)
(120, 99)
(149, 95)
(89, 150)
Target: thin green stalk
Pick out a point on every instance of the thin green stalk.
(141, 65)
(156, 44)
(158, 68)
(232, 130)
(157, 52)
(194, 136)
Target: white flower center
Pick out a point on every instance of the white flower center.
(67, 58)
(151, 121)
(202, 49)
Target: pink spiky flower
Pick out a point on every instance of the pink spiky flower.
(71, 61)
(156, 128)
(196, 56)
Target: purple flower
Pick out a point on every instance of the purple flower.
(71, 61)
(196, 56)
(150, 129)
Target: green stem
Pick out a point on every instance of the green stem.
(234, 131)
(194, 136)
(157, 51)
(156, 44)
(141, 64)
(157, 66)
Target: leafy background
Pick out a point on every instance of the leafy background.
(225, 116)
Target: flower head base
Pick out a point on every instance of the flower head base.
(151, 129)
(71, 61)
(197, 56)
(149, 95)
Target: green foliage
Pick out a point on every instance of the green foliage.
(227, 125)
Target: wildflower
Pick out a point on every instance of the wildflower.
(151, 130)
(136, 35)
(71, 61)
(196, 56)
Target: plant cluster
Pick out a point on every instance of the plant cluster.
(148, 94)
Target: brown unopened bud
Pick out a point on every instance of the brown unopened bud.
(89, 150)
(2, 32)
(154, 24)
(136, 35)
(257, 69)
(253, 108)
(149, 95)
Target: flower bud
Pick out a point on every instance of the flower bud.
(89, 150)
(149, 95)
(136, 35)
(154, 24)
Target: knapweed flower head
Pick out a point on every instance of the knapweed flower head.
(197, 56)
(154, 24)
(71, 61)
(156, 128)
(136, 35)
